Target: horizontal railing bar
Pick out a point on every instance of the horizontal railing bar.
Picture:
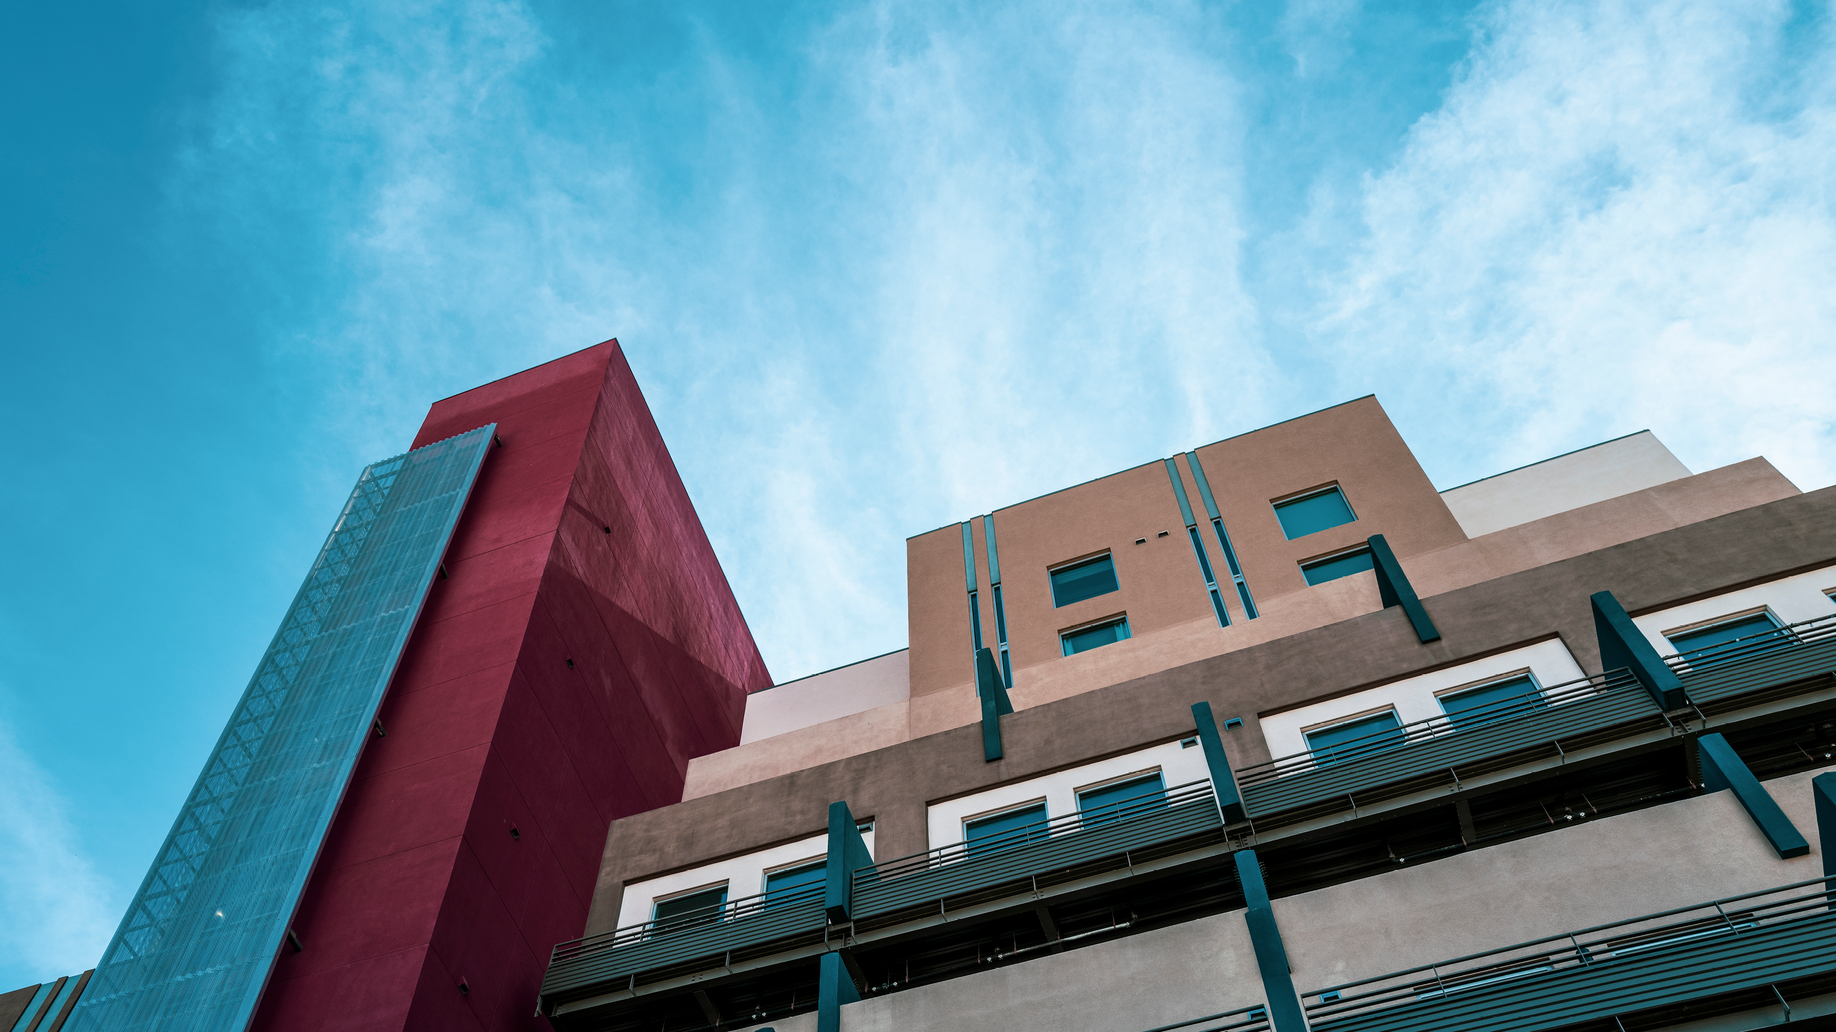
(1177, 795)
(722, 913)
(1437, 728)
(1765, 642)
(1253, 1015)
(1572, 936)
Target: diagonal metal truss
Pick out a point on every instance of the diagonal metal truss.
(199, 939)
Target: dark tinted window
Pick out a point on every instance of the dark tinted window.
(692, 909)
(1489, 702)
(1731, 640)
(1342, 565)
(778, 884)
(1355, 738)
(1087, 638)
(1310, 514)
(1080, 581)
(1005, 830)
(1124, 799)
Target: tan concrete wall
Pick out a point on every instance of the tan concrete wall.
(1551, 539)
(1675, 855)
(1606, 470)
(856, 688)
(1124, 985)
(1161, 586)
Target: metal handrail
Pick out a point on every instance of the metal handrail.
(1064, 824)
(1248, 1018)
(1585, 947)
(1793, 635)
(723, 913)
(1437, 727)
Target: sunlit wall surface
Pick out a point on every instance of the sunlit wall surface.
(200, 937)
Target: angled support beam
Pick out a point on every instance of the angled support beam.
(1285, 1013)
(1722, 768)
(835, 988)
(847, 854)
(1823, 790)
(1394, 587)
(1622, 644)
(1223, 781)
(992, 689)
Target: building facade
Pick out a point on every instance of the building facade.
(516, 633)
(1273, 734)
(1270, 734)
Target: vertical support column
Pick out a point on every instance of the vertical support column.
(1217, 524)
(1823, 792)
(975, 611)
(835, 988)
(1722, 768)
(993, 691)
(1394, 588)
(994, 596)
(1285, 1013)
(1622, 644)
(1223, 780)
(847, 854)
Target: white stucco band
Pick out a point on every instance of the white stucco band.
(743, 875)
(1606, 470)
(1414, 697)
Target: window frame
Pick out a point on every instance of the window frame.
(1343, 553)
(1456, 723)
(1111, 620)
(1369, 750)
(1077, 794)
(765, 876)
(1044, 824)
(725, 885)
(1068, 565)
(1297, 497)
(1697, 660)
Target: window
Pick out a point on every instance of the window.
(779, 884)
(1079, 581)
(1313, 512)
(1129, 798)
(703, 906)
(1095, 636)
(1488, 702)
(1333, 567)
(1355, 738)
(1005, 830)
(1730, 639)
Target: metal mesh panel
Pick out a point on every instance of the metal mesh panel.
(199, 939)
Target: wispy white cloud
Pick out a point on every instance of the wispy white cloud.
(1620, 217)
(58, 912)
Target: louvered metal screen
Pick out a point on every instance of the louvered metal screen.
(199, 939)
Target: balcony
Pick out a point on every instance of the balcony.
(1159, 855)
(891, 898)
(1437, 753)
(1761, 949)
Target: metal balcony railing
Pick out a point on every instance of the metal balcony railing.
(696, 940)
(1757, 662)
(1059, 849)
(1440, 749)
(1692, 953)
(1247, 1019)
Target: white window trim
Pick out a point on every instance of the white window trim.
(1476, 685)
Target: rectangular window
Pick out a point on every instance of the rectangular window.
(779, 884)
(1095, 636)
(1333, 567)
(1488, 702)
(703, 906)
(1014, 827)
(1355, 738)
(1730, 639)
(1079, 581)
(1129, 798)
(1313, 512)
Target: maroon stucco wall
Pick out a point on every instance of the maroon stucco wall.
(421, 884)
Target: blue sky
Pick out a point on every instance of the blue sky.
(879, 266)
